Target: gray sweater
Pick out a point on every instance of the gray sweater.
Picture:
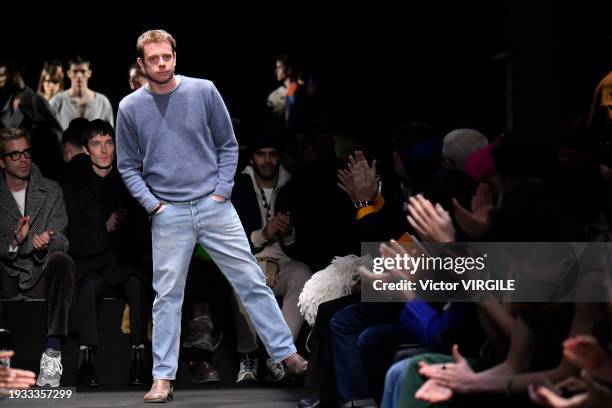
(183, 141)
(65, 108)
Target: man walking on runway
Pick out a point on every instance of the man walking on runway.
(177, 154)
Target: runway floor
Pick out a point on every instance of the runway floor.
(204, 397)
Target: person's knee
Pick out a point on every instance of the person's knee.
(134, 286)
(340, 323)
(300, 273)
(367, 340)
(396, 371)
(61, 263)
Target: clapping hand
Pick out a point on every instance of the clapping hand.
(432, 223)
(476, 222)
(359, 179)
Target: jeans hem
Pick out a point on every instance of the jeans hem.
(279, 360)
(164, 378)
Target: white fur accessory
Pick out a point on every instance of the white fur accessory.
(331, 283)
(277, 100)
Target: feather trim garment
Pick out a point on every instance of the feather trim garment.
(331, 283)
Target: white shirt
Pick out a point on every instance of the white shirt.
(20, 197)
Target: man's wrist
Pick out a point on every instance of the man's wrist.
(157, 208)
(359, 204)
(16, 241)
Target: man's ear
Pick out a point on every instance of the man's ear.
(140, 64)
(2, 163)
(86, 151)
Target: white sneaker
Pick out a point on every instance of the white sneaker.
(50, 369)
(276, 371)
(248, 369)
(6, 362)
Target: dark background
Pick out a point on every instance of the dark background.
(377, 65)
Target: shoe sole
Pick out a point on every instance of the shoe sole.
(160, 400)
(213, 379)
(50, 383)
(247, 379)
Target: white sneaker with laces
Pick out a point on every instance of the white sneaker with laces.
(50, 369)
(248, 369)
(276, 371)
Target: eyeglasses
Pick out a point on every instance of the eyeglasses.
(16, 155)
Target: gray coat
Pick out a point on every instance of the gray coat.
(45, 206)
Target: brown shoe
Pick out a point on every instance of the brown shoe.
(203, 372)
(296, 365)
(161, 391)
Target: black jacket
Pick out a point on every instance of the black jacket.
(90, 200)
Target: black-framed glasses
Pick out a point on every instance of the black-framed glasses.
(16, 155)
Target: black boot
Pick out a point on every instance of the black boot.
(86, 375)
(137, 367)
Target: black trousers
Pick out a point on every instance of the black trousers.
(56, 286)
(91, 290)
(321, 373)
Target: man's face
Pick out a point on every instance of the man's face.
(266, 162)
(159, 62)
(136, 79)
(101, 151)
(280, 71)
(20, 150)
(79, 74)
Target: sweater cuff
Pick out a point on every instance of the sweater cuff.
(256, 239)
(224, 190)
(289, 239)
(150, 204)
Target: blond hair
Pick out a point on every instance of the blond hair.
(154, 36)
(8, 134)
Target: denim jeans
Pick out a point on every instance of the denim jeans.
(394, 381)
(216, 227)
(364, 337)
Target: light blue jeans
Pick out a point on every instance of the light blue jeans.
(218, 229)
(395, 378)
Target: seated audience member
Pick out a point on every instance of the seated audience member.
(204, 291)
(79, 101)
(72, 139)
(137, 77)
(591, 390)
(528, 212)
(51, 80)
(600, 113)
(459, 144)
(261, 197)
(21, 107)
(34, 263)
(103, 233)
(364, 336)
(331, 231)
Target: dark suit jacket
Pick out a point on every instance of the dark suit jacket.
(90, 200)
(45, 206)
